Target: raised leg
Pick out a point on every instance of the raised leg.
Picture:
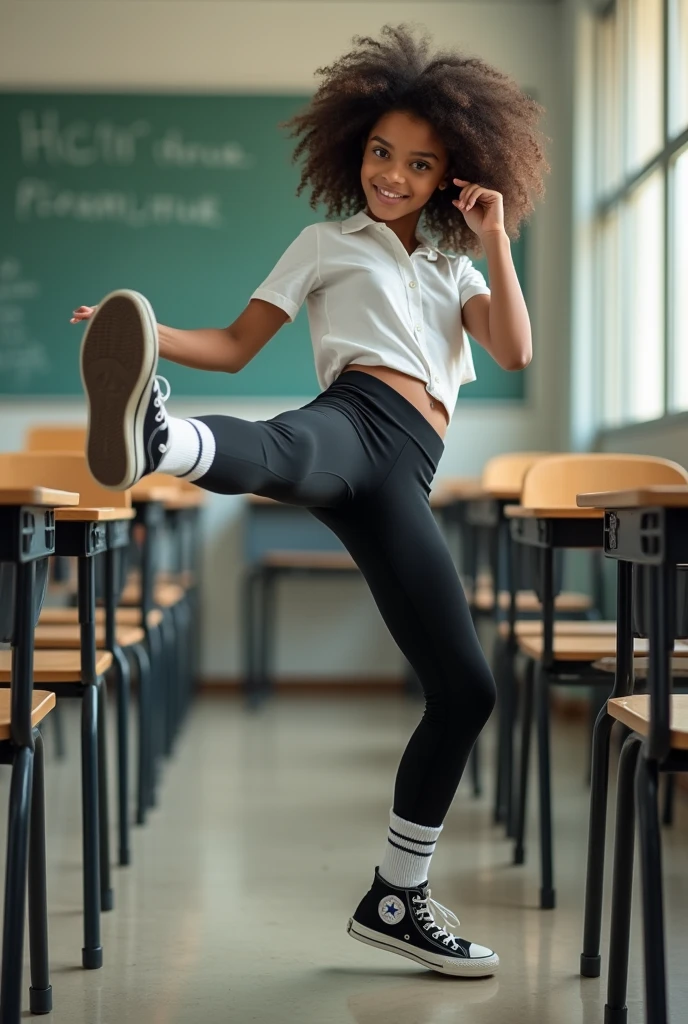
(646, 781)
(616, 1011)
(123, 687)
(547, 895)
(15, 887)
(92, 953)
(40, 993)
(526, 730)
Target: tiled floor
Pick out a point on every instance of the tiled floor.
(268, 829)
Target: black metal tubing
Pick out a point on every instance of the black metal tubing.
(646, 795)
(92, 952)
(526, 731)
(40, 993)
(590, 963)
(615, 1011)
(15, 886)
(662, 617)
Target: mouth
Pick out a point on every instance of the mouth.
(388, 197)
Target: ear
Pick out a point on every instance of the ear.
(442, 186)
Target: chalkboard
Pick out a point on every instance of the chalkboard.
(189, 199)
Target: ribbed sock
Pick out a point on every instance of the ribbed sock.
(408, 852)
(190, 449)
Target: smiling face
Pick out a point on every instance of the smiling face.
(404, 161)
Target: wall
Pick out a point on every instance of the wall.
(268, 46)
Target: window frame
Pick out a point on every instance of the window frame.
(616, 199)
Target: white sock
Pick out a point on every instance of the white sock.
(408, 852)
(190, 449)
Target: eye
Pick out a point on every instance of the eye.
(423, 165)
(379, 149)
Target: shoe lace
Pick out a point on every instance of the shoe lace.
(160, 399)
(425, 913)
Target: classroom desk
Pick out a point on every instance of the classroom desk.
(27, 539)
(648, 527)
(547, 530)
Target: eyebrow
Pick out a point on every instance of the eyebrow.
(378, 138)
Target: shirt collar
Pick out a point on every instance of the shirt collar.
(362, 220)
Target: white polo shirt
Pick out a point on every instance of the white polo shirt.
(370, 302)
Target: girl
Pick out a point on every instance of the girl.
(392, 134)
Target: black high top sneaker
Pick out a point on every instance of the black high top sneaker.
(127, 424)
(402, 921)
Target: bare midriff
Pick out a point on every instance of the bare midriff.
(413, 390)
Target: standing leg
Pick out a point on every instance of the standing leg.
(40, 993)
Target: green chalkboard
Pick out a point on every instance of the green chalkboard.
(189, 199)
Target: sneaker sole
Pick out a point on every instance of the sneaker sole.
(482, 968)
(119, 356)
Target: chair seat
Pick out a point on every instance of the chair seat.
(55, 666)
(635, 713)
(678, 668)
(125, 617)
(533, 627)
(165, 595)
(336, 560)
(42, 703)
(68, 636)
(588, 648)
(527, 601)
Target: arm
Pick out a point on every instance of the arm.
(499, 321)
(227, 349)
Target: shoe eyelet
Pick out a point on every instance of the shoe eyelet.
(407, 937)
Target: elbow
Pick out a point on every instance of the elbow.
(518, 361)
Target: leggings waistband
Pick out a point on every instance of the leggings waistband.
(393, 406)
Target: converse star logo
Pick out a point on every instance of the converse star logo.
(391, 909)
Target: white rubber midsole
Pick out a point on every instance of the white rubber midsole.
(483, 967)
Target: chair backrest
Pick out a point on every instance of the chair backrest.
(66, 470)
(555, 481)
(55, 437)
(507, 472)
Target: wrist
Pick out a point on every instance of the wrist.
(494, 235)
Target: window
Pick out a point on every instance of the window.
(678, 290)
(641, 252)
(678, 54)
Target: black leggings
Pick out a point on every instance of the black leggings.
(362, 458)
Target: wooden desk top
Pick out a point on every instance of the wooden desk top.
(81, 514)
(146, 491)
(662, 495)
(45, 496)
(185, 499)
(570, 512)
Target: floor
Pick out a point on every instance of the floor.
(266, 835)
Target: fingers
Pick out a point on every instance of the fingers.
(469, 194)
(82, 313)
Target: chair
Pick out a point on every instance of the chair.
(549, 496)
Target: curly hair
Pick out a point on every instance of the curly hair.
(487, 124)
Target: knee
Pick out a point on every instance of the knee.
(469, 692)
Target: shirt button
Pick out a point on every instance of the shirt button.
(437, 380)
(419, 328)
(412, 284)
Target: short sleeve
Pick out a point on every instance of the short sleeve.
(294, 276)
(471, 282)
